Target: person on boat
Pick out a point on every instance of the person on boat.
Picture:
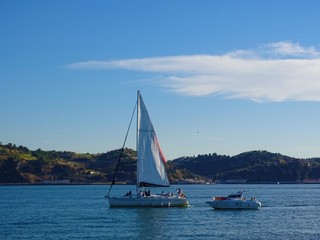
(146, 193)
(180, 193)
(169, 194)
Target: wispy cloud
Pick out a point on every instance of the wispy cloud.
(280, 71)
(288, 49)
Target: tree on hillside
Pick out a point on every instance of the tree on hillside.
(9, 171)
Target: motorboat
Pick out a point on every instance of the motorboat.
(234, 201)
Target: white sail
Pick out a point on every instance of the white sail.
(150, 160)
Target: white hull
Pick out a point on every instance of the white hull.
(150, 201)
(234, 204)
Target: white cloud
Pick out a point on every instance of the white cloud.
(278, 71)
(288, 49)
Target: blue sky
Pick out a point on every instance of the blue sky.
(216, 76)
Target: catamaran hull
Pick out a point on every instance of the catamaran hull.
(234, 204)
(147, 202)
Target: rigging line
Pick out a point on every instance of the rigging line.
(120, 155)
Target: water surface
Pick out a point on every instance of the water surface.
(82, 212)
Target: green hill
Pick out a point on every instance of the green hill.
(254, 166)
(21, 165)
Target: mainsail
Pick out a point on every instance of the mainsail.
(150, 159)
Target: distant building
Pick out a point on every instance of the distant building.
(311, 180)
(233, 181)
(64, 181)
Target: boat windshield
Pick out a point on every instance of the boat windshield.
(236, 195)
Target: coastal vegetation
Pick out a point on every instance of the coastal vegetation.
(18, 164)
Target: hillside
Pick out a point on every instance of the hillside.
(254, 166)
(21, 165)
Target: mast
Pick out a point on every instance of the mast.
(137, 139)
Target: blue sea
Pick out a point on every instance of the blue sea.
(81, 212)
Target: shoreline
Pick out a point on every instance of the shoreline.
(108, 183)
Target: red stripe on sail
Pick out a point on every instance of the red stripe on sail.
(160, 150)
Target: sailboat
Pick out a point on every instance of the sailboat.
(151, 170)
